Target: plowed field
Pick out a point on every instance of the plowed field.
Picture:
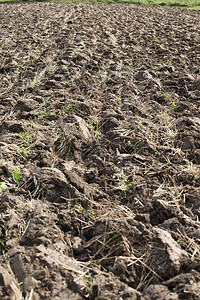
(99, 152)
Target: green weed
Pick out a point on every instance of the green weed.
(89, 281)
(2, 45)
(45, 110)
(71, 106)
(127, 183)
(167, 159)
(76, 209)
(23, 152)
(135, 146)
(113, 237)
(118, 100)
(17, 176)
(4, 237)
(95, 132)
(27, 137)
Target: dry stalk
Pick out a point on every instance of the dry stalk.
(192, 247)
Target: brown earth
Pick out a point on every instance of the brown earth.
(99, 152)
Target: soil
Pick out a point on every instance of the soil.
(99, 152)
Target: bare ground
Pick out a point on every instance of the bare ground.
(99, 152)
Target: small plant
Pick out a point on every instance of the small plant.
(111, 243)
(104, 77)
(22, 151)
(17, 176)
(127, 184)
(2, 244)
(97, 133)
(76, 209)
(167, 159)
(3, 44)
(27, 137)
(173, 104)
(118, 100)
(69, 107)
(66, 109)
(4, 237)
(44, 114)
(191, 245)
(88, 280)
(94, 132)
(165, 118)
(193, 171)
(135, 146)
(113, 237)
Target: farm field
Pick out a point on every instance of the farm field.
(99, 152)
(190, 4)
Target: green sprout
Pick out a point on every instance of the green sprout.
(97, 133)
(89, 281)
(135, 147)
(22, 151)
(3, 244)
(128, 184)
(17, 176)
(78, 208)
(28, 138)
(4, 236)
(71, 106)
(113, 237)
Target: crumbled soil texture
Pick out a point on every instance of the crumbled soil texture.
(99, 152)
